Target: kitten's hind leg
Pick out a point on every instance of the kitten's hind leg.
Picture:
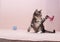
(54, 31)
(50, 31)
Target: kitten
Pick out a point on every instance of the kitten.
(37, 22)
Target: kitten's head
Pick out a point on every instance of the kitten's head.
(38, 13)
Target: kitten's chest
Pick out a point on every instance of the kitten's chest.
(38, 22)
(38, 19)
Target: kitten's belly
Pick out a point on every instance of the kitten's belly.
(37, 24)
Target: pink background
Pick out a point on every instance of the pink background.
(19, 13)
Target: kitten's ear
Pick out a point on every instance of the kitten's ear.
(40, 10)
(36, 10)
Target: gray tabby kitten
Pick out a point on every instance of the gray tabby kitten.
(37, 23)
